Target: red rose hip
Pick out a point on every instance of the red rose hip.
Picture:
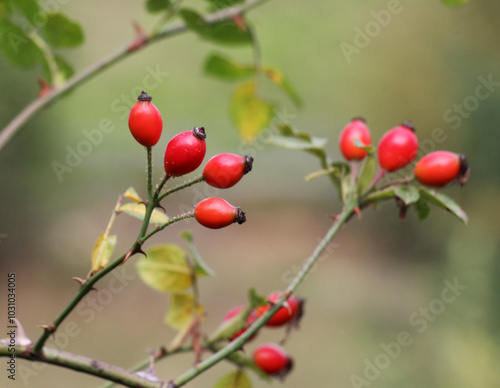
(225, 170)
(397, 147)
(439, 168)
(356, 129)
(216, 213)
(272, 359)
(185, 152)
(145, 122)
(291, 310)
(249, 320)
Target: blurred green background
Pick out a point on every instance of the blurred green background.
(380, 280)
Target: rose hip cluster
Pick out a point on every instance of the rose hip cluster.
(269, 357)
(397, 148)
(184, 154)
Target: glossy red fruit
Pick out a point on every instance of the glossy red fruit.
(356, 129)
(441, 167)
(272, 359)
(290, 310)
(225, 170)
(249, 320)
(185, 152)
(397, 147)
(216, 213)
(145, 122)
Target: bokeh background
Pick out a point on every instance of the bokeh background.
(379, 280)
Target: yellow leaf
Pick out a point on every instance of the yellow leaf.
(132, 195)
(165, 269)
(250, 113)
(182, 311)
(103, 249)
(138, 210)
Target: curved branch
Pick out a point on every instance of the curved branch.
(42, 102)
(83, 364)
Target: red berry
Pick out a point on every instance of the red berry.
(250, 319)
(397, 147)
(225, 170)
(290, 310)
(272, 359)
(440, 168)
(216, 213)
(144, 121)
(185, 152)
(356, 129)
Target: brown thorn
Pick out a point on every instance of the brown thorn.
(357, 210)
(49, 328)
(140, 38)
(162, 208)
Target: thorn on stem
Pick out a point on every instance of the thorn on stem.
(133, 251)
(140, 38)
(49, 328)
(162, 208)
(79, 280)
(357, 210)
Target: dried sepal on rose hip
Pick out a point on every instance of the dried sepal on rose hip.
(145, 122)
(216, 213)
(397, 147)
(225, 170)
(356, 129)
(273, 360)
(439, 168)
(185, 152)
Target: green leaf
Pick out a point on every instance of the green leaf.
(288, 137)
(256, 299)
(132, 195)
(61, 31)
(279, 79)
(423, 209)
(138, 210)
(156, 6)
(249, 112)
(29, 8)
(200, 267)
(454, 3)
(236, 379)
(444, 202)
(182, 310)
(18, 48)
(366, 173)
(220, 4)
(406, 193)
(194, 21)
(228, 32)
(165, 269)
(379, 195)
(221, 67)
(65, 69)
(103, 249)
(229, 327)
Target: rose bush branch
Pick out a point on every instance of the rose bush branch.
(108, 61)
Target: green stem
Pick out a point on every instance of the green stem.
(104, 63)
(150, 174)
(163, 226)
(180, 187)
(243, 338)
